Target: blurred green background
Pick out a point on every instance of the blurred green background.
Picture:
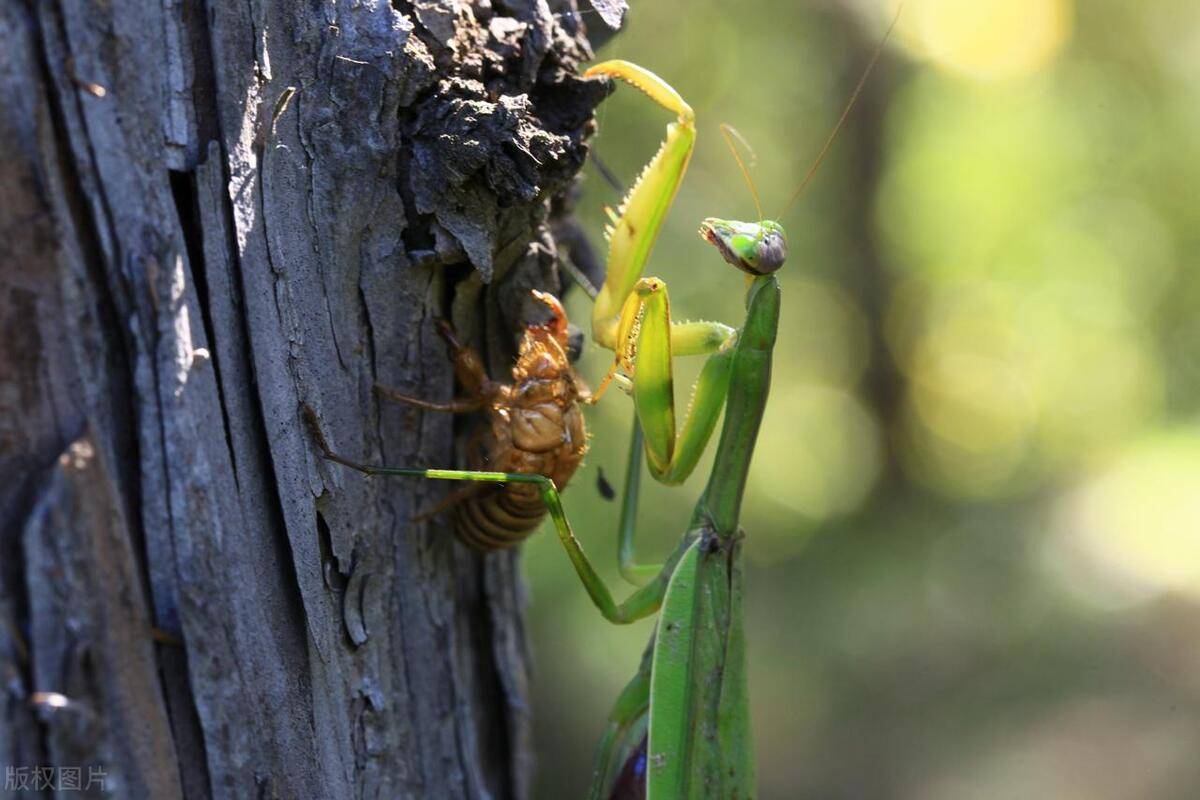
(974, 518)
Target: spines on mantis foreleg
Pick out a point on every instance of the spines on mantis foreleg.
(639, 218)
(632, 237)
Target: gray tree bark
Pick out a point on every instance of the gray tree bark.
(209, 216)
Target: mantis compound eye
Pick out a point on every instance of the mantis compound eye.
(757, 248)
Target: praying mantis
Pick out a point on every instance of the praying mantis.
(681, 727)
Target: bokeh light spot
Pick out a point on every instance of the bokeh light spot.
(824, 453)
(826, 334)
(991, 39)
(1133, 531)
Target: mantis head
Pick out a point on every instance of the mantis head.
(756, 248)
(760, 248)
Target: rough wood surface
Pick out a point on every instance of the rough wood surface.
(210, 215)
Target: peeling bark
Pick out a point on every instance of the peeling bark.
(208, 217)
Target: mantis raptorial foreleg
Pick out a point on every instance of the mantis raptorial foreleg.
(632, 313)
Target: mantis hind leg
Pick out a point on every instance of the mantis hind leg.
(642, 603)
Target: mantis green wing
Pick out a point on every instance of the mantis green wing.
(700, 741)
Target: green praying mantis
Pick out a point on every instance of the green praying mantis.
(681, 727)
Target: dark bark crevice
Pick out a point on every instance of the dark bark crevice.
(184, 192)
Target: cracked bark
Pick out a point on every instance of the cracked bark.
(209, 216)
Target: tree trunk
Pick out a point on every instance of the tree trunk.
(210, 217)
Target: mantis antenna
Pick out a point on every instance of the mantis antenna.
(845, 113)
(733, 138)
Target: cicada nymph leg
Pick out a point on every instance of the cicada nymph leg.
(468, 370)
